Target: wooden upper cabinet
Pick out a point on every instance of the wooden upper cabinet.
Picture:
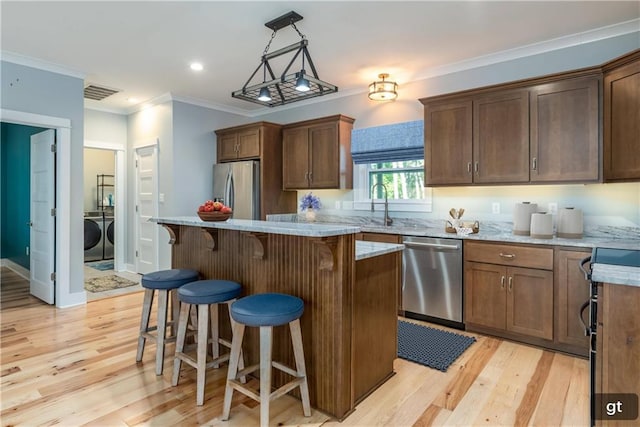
(501, 138)
(565, 136)
(448, 128)
(295, 158)
(317, 154)
(240, 143)
(622, 119)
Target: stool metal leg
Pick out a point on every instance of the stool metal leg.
(144, 322)
(266, 344)
(162, 329)
(182, 332)
(236, 345)
(298, 351)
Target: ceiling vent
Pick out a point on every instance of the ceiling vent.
(98, 93)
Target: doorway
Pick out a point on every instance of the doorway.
(64, 297)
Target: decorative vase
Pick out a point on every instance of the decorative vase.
(310, 215)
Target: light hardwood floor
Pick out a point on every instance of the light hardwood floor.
(76, 366)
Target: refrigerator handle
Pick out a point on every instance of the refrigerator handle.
(230, 190)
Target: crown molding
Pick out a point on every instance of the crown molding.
(590, 36)
(212, 105)
(40, 64)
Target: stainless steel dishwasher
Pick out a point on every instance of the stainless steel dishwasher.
(432, 284)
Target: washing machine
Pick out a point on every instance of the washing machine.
(109, 238)
(93, 236)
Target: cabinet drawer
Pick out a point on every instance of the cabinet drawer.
(519, 256)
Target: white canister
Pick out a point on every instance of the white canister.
(570, 223)
(522, 218)
(541, 225)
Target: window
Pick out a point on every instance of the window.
(404, 181)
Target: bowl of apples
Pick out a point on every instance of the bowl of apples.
(214, 211)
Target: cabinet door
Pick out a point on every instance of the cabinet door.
(448, 139)
(295, 158)
(618, 338)
(622, 123)
(571, 291)
(249, 144)
(564, 131)
(227, 147)
(501, 138)
(530, 302)
(485, 298)
(324, 156)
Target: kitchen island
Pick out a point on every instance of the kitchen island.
(349, 326)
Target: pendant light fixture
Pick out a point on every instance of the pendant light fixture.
(286, 88)
(383, 90)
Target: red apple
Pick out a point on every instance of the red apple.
(226, 210)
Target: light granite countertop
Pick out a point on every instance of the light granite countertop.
(616, 274)
(372, 249)
(289, 228)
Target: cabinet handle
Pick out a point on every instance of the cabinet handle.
(507, 256)
(534, 163)
(310, 176)
(502, 283)
(476, 167)
(510, 284)
(469, 167)
(306, 176)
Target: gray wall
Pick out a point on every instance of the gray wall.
(36, 91)
(102, 126)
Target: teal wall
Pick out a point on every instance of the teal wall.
(15, 204)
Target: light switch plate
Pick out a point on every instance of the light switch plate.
(495, 207)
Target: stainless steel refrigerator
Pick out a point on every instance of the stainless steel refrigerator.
(237, 185)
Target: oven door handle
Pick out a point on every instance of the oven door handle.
(583, 307)
(583, 263)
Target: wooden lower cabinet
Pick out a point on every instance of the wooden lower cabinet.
(618, 343)
(513, 299)
(571, 291)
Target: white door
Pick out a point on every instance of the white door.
(146, 207)
(42, 235)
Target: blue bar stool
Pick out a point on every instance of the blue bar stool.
(266, 311)
(163, 282)
(205, 295)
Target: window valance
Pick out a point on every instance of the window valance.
(395, 142)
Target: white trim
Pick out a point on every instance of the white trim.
(147, 143)
(120, 195)
(16, 268)
(41, 64)
(104, 145)
(63, 296)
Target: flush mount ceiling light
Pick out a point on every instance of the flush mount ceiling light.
(383, 90)
(285, 88)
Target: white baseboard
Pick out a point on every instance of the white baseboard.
(16, 268)
(131, 268)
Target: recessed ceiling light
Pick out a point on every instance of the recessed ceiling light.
(196, 66)
(132, 100)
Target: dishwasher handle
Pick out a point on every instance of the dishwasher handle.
(430, 245)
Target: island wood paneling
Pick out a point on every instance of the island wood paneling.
(291, 265)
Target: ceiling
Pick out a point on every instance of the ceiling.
(144, 48)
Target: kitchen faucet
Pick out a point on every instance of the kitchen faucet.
(387, 220)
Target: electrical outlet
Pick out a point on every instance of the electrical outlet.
(495, 207)
(161, 198)
(553, 208)
(337, 204)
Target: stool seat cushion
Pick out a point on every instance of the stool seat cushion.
(267, 309)
(169, 279)
(209, 291)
